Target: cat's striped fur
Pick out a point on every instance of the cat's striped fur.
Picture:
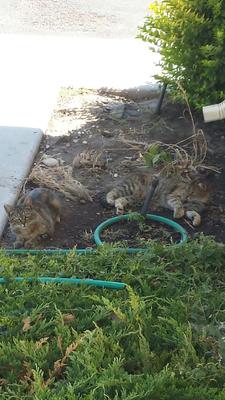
(34, 215)
(184, 195)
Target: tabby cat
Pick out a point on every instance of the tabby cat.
(185, 195)
(34, 215)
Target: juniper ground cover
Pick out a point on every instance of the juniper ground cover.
(160, 338)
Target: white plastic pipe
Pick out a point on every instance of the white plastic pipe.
(214, 112)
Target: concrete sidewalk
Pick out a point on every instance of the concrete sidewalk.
(18, 149)
(33, 68)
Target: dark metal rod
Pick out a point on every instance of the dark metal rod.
(149, 196)
(162, 95)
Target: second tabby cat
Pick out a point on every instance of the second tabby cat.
(184, 195)
(34, 215)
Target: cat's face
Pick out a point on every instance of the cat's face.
(19, 215)
(202, 174)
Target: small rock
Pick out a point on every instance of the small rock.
(50, 162)
(107, 134)
(132, 110)
(47, 146)
(148, 105)
(84, 142)
(75, 140)
(115, 110)
(115, 175)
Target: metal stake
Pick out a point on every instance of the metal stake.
(149, 196)
(162, 95)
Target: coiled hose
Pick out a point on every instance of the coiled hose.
(97, 239)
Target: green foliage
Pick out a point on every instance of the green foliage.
(162, 338)
(190, 36)
(155, 156)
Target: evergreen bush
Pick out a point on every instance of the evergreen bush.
(190, 37)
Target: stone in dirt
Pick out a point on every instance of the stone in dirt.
(50, 162)
(115, 110)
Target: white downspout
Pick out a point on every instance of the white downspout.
(214, 112)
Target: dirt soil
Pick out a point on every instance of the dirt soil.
(114, 131)
(139, 234)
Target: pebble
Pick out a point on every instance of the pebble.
(50, 162)
(75, 140)
(84, 142)
(115, 175)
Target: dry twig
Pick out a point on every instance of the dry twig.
(59, 178)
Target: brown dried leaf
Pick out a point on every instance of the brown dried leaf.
(28, 373)
(59, 343)
(42, 341)
(72, 347)
(67, 318)
(26, 324)
(39, 317)
(58, 367)
(60, 364)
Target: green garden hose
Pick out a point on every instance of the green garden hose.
(73, 281)
(176, 227)
(99, 283)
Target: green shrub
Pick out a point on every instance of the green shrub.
(190, 36)
(162, 338)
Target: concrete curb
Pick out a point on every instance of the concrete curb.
(148, 91)
(18, 149)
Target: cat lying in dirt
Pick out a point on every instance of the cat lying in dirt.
(34, 215)
(186, 195)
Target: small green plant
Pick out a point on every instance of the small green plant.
(137, 217)
(155, 156)
(190, 37)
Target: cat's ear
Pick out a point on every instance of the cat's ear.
(8, 208)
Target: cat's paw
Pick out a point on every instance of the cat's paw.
(194, 217)
(178, 213)
(18, 244)
(120, 205)
(119, 210)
